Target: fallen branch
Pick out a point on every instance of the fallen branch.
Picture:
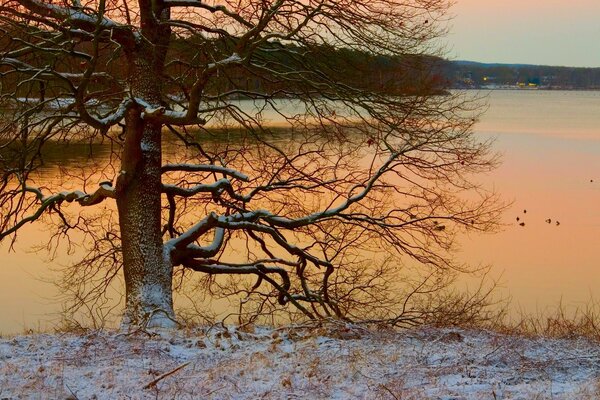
(163, 376)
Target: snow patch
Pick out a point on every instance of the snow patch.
(235, 57)
(221, 362)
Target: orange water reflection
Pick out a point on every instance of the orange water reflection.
(551, 167)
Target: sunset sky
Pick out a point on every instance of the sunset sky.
(551, 32)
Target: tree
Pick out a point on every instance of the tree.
(363, 166)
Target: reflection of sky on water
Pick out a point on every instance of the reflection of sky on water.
(551, 150)
(551, 154)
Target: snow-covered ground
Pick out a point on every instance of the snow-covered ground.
(302, 363)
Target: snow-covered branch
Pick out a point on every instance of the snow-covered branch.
(259, 269)
(214, 187)
(335, 211)
(192, 234)
(78, 18)
(118, 114)
(205, 168)
(195, 251)
(190, 115)
(84, 199)
(213, 9)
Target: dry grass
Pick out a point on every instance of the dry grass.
(480, 310)
(561, 322)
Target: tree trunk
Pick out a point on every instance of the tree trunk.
(147, 269)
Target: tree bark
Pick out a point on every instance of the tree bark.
(147, 268)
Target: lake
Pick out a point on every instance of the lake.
(550, 142)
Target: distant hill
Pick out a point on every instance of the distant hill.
(482, 64)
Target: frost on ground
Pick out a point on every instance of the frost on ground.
(300, 363)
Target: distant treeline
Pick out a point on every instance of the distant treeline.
(344, 70)
(466, 74)
(278, 70)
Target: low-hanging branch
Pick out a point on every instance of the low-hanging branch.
(259, 269)
(84, 199)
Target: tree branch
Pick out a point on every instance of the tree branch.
(77, 18)
(103, 192)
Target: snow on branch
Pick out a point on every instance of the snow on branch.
(250, 221)
(195, 251)
(232, 59)
(212, 9)
(258, 268)
(205, 168)
(118, 115)
(79, 19)
(192, 234)
(239, 221)
(263, 220)
(74, 15)
(214, 187)
(84, 199)
(162, 115)
(336, 211)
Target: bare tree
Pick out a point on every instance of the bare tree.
(367, 167)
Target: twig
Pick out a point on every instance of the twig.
(163, 376)
(215, 390)
(389, 391)
(73, 394)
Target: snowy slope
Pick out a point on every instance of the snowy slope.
(300, 363)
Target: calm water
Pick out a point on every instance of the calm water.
(550, 143)
(551, 147)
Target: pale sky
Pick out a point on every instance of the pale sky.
(550, 32)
